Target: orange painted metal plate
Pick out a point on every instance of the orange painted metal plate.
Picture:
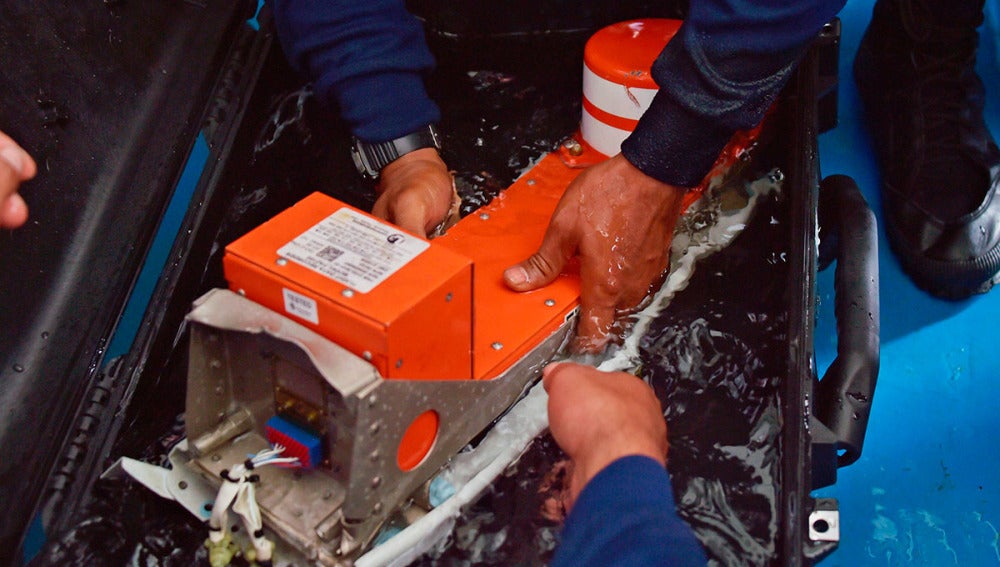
(372, 288)
(508, 324)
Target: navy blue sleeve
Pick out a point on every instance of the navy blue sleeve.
(719, 75)
(625, 516)
(366, 58)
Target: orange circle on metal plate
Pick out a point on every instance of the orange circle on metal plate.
(624, 52)
(417, 440)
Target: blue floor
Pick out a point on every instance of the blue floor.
(926, 490)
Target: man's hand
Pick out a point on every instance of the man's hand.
(416, 192)
(16, 166)
(598, 417)
(620, 222)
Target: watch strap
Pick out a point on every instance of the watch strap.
(370, 158)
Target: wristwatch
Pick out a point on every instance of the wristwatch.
(371, 158)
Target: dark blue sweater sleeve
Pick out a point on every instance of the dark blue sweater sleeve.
(718, 75)
(366, 58)
(625, 516)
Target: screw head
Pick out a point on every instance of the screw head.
(347, 293)
(484, 216)
(573, 147)
(497, 345)
(550, 302)
(281, 261)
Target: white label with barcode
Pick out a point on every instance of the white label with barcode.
(354, 250)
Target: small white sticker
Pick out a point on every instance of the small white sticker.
(301, 306)
(354, 250)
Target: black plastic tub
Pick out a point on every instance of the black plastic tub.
(69, 411)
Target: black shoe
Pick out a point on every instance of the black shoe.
(940, 165)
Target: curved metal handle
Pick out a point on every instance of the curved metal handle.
(844, 395)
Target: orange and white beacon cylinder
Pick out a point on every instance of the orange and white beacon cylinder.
(617, 84)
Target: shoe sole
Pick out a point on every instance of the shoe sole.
(943, 279)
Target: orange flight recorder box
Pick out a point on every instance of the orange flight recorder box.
(382, 293)
(416, 309)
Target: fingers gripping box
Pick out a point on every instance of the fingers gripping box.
(386, 295)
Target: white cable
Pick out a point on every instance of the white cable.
(238, 491)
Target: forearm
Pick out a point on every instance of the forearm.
(719, 74)
(366, 59)
(626, 516)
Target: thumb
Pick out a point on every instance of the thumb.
(540, 268)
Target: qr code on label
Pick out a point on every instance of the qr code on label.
(329, 253)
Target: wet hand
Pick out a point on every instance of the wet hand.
(599, 417)
(416, 192)
(16, 166)
(620, 222)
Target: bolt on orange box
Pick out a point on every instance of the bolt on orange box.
(380, 292)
